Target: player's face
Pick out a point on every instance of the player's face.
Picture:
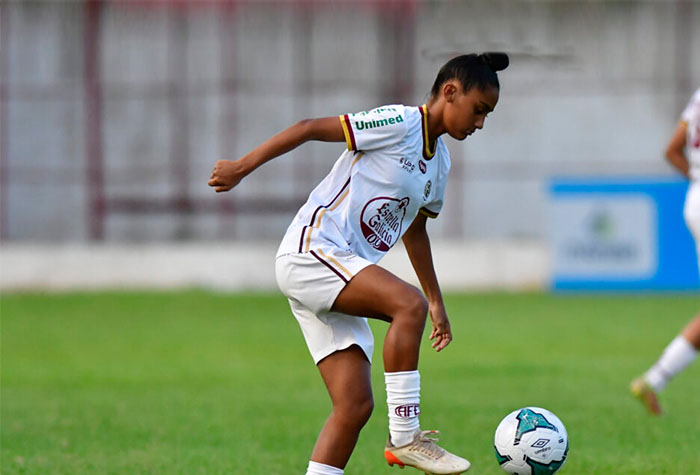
(467, 111)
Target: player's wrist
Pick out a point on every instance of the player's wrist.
(246, 164)
(435, 300)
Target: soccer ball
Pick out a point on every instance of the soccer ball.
(531, 440)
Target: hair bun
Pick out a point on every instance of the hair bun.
(495, 61)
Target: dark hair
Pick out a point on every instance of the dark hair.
(472, 70)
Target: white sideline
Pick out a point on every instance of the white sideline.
(505, 265)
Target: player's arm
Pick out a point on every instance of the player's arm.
(676, 148)
(417, 246)
(228, 173)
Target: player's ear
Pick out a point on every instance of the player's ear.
(449, 90)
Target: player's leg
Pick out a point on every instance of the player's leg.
(691, 213)
(692, 332)
(677, 356)
(324, 301)
(377, 293)
(346, 374)
(684, 348)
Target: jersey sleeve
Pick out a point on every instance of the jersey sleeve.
(687, 114)
(432, 209)
(374, 129)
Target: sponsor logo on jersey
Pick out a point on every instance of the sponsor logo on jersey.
(372, 124)
(378, 110)
(381, 221)
(407, 411)
(407, 165)
(423, 167)
(426, 191)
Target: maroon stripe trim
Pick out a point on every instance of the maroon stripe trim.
(313, 216)
(350, 132)
(424, 134)
(330, 267)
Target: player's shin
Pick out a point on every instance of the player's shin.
(675, 358)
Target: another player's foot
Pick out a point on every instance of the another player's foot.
(646, 394)
(424, 454)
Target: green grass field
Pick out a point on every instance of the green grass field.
(196, 382)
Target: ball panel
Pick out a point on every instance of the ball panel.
(501, 458)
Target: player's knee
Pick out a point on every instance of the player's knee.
(416, 308)
(364, 410)
(356, 411)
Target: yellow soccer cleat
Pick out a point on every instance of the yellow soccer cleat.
(646, 394)
(424, 454)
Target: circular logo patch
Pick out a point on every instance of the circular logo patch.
(426, 191)
(381, 221)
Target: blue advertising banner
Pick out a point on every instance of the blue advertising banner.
(622, 234)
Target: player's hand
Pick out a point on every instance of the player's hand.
(226, 175)
(442, 334)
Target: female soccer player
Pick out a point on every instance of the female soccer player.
(383, 187)
(684, 348)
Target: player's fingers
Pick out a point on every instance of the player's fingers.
(219, 189)
(439, 329)
(445, 340)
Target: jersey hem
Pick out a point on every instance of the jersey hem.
(428, 213)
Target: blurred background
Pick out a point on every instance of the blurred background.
(113, 113)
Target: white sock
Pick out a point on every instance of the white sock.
(675, 358)
(316, 468)
(403, 399)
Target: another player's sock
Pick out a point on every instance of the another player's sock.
(316, 468)
(403, 399)
(675, 358)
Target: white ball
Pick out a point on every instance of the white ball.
(531, 440)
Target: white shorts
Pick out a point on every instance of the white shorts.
(312, 281)
(691, 213)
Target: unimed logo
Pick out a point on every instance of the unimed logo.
(361, 125)
(407, 410)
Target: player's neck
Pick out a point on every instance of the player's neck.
(435, 125)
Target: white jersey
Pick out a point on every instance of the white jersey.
(691, 117)
(376, 188)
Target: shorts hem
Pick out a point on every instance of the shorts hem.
(326, 352)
